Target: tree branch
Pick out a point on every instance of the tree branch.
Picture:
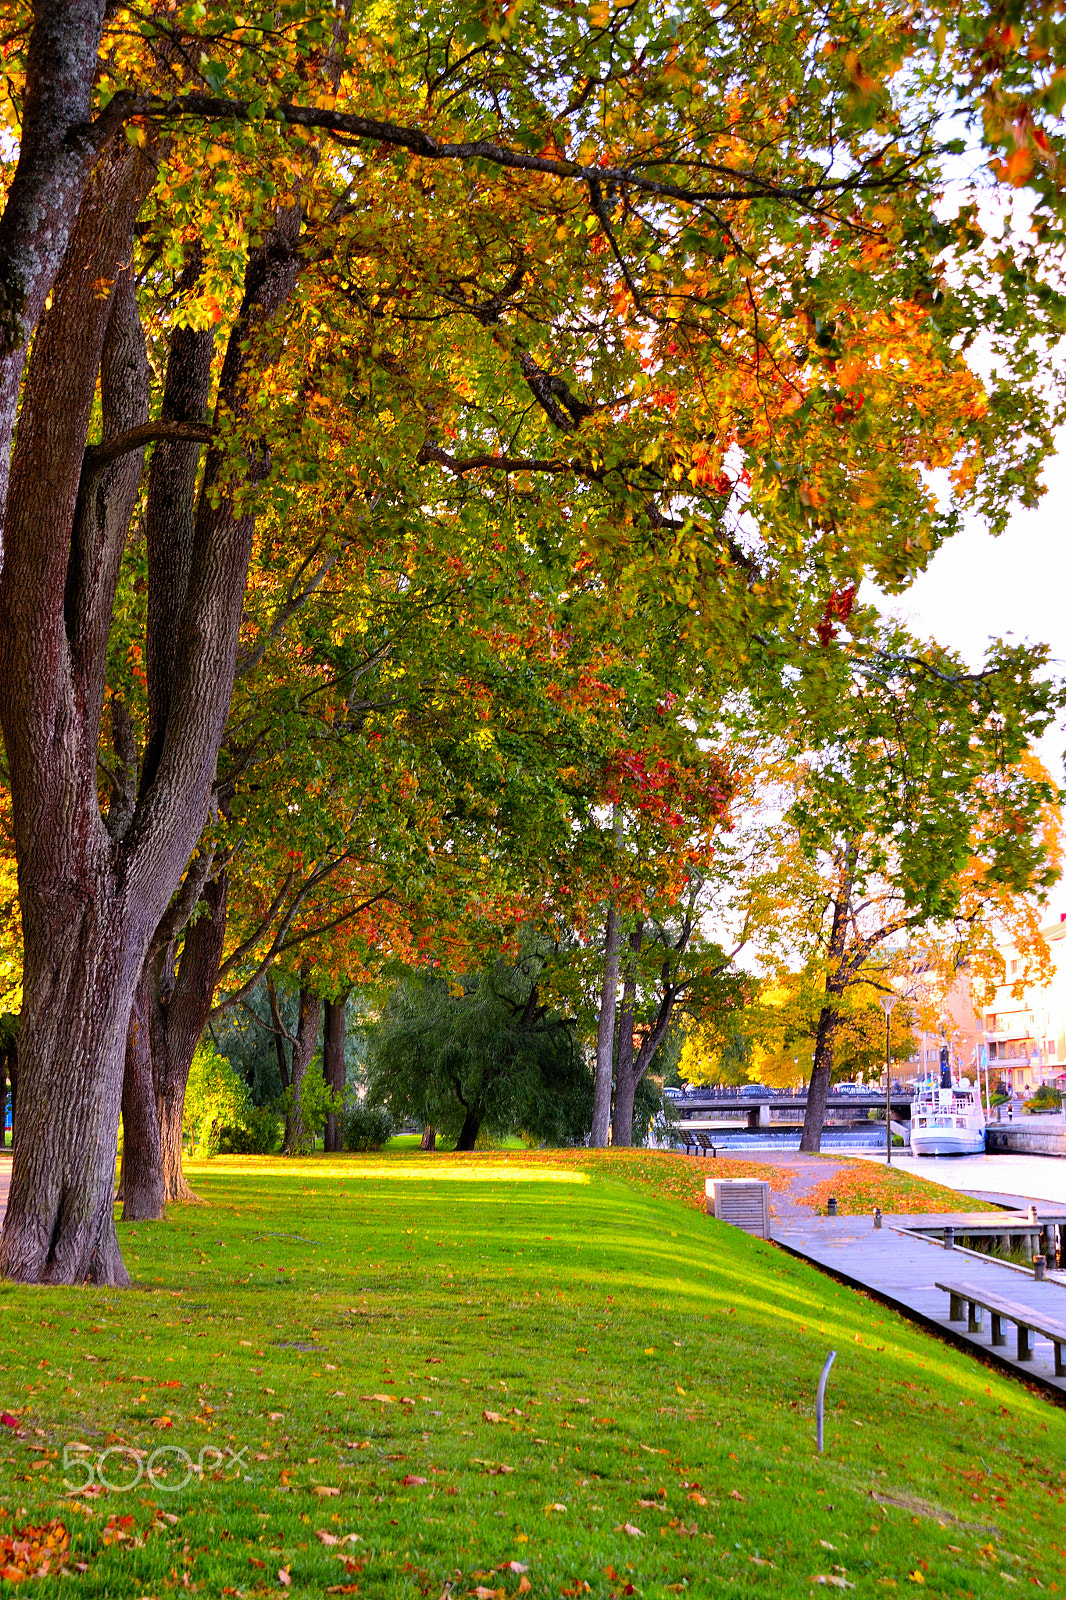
(98, 456)
(733, 185)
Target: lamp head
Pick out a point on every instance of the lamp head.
(889, 1002)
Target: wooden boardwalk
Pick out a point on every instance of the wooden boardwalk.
(903, 1269)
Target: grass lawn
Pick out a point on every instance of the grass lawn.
(447, 1376)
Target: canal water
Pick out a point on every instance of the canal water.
(1028, 1177)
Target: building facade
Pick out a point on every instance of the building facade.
(1026, 1038)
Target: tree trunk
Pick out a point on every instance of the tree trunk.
(85, 923)
(818, 1088)
(299, 1138)
(468, 1133)
(59, 1225)
(179, 1013)
(279, 1032)
(626, 1079)
(429, 1138)
(92, 902)
(57, 152)
(601, 1097)
(333, 1034)
(141, 1189)
(822, 1066)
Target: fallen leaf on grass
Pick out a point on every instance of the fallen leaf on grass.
(524, 1585)
(833, 1579)
(492, 1416)
(513, 1566)
(500, 1471)
(343, 1588)
(759, 1561)
(697, 1498)
(411, 1480)
(487, 1594)
(253, 1562)
(276, 1416)
(735, 1494)
(162, 1422)
(31, 1551)
(916, 1576)
(630, 1528)
(8, 1420)
(324, 1490)
(284, 1576)
(384, 1399)
(555, 1505)
(580, 1587)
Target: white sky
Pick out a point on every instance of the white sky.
(979, 588)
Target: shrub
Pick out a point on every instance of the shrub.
(216, 1097)
(366, 1128)
(257, 1133)
(1045, 1099)
(317, 1100)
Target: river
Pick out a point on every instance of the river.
(1028, 1177)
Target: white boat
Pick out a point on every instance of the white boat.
(947, 1119)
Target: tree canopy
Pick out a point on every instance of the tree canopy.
(416, 427)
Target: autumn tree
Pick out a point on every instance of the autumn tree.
(481, 1052)
(567, 281)
(915, 788)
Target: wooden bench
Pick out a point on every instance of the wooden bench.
(975, 1299)
(699, 1143)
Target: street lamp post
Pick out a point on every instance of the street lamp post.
(888, 1003)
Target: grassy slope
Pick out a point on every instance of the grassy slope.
(633, 1350)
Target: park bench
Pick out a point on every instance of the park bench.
(699, 1143)
(975, 1299)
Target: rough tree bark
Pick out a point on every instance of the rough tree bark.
(601, 1096)
(470, 1129)
(429, 1138)
(835, 983)
(57, 152)
(81, 929)
(91, 902)
(333, 1036)
(141, 1187)
(180, 1010)
(297, 1136)
(626, 1076)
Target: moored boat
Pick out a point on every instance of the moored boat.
(947, 1118)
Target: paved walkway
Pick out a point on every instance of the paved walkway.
(903, 1270)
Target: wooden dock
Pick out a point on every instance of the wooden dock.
(902, 1267)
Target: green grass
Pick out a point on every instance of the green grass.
(647, 1366)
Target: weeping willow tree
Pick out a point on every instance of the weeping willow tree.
(481, 1053)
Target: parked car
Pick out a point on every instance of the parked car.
(753, 1090)
(673, 1094)
(849, 1088)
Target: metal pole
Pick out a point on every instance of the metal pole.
(819, 1403)
(888, 1086)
